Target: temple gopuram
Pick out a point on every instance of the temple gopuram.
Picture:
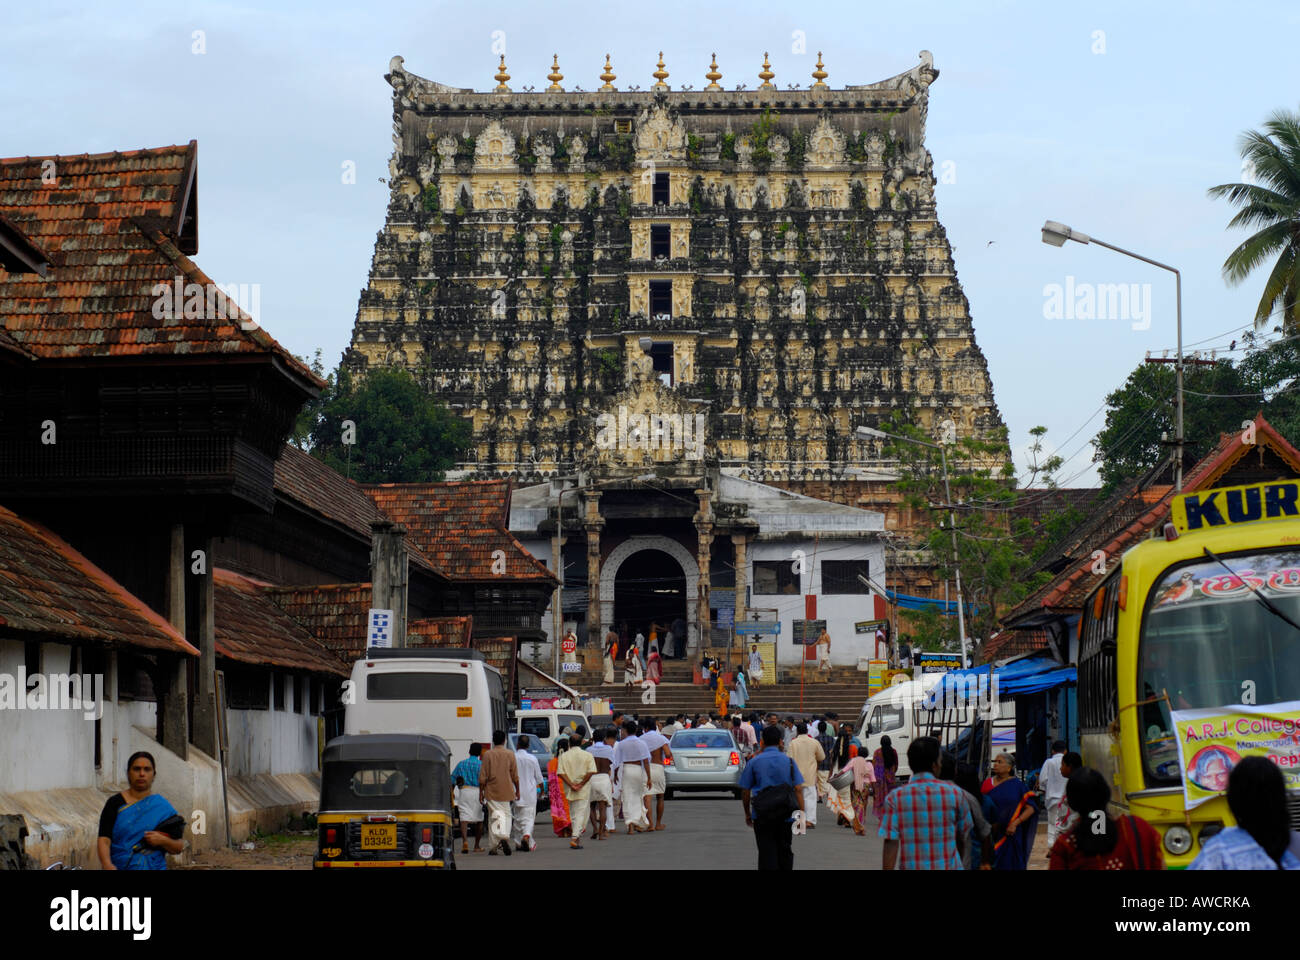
(645, 294)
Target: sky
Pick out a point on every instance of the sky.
(1113, 118)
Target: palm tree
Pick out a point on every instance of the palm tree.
(1272, 203)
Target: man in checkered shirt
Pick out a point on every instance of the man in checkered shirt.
(927, 817)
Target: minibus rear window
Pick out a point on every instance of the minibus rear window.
(417, 686)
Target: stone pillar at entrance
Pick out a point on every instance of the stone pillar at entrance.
(704, 530)
(738, 541)
(592, 524)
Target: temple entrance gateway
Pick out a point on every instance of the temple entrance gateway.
(650, 587)
(666, 566)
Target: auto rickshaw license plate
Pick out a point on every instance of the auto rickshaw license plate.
(379, 836)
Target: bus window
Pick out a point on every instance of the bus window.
(417, 686)
(497, 697)
(1206, 638)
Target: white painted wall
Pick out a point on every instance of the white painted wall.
(840, 611)
(273, 741)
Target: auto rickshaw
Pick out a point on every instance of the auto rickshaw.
(385, 801)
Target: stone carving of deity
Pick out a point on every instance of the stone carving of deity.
(543, 150)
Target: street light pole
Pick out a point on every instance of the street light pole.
(1055, 234)
(956, 562)
(952, 523)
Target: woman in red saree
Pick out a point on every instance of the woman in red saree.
(885, 764)
(561, 822)
(654, 670)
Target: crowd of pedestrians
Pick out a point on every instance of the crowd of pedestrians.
(942, 818)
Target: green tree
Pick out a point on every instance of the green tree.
(1272, 204)
(310, 413)
(995, 548)
(1142, 411)
(400, 433)
(1217, 399)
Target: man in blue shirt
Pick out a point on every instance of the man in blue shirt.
(468, 803)
(771, 768)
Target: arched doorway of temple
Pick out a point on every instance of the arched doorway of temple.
(650, 587)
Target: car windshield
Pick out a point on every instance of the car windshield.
(535, 746)
(1208, 641)
(702, 740)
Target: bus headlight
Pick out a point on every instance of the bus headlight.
(1178, 840)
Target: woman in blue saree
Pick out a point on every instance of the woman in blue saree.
(1012, 808)
(739, 695)
(128, 834)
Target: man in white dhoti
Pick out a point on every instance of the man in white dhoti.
(602, 788)
(755, 665)
(525, 808)
(499, 785)
(632, 760)
(824, 652)
(611, 644)
(657, 744)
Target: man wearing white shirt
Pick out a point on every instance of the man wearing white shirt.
(657, 744)
(1052, 782)
(632, 761)
(525, 808)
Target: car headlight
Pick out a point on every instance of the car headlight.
(1178, 840)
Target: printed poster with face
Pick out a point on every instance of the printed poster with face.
(1211, 741)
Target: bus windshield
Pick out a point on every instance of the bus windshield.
(1208, 641)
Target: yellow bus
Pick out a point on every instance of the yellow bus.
(1189, 658)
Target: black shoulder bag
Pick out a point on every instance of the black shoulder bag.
(776, 802)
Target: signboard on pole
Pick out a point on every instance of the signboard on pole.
(755, 627)
(937, 662)
(806, 632)
(379, 633)
(876, 676)
(868, 626)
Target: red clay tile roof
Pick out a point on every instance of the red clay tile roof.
(439, 632)
(252, 629)
(1013, 643)
(109, 223)
(49, 589)
(335, 614)
(460, 526)
(324, 491)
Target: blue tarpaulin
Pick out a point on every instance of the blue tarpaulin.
(1031, 675)
(947, 608)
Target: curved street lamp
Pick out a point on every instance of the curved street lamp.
(1055, 234)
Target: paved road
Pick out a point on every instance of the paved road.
(703, 831)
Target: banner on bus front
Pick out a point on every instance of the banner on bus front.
(1212, 740)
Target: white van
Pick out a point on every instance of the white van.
(452, 693)
(900, 712)
(547, 725)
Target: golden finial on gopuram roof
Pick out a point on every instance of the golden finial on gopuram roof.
(608, 75)
(819, 74)
(713, 76)
(501, 76)
(660, 75)
(555, 76)
(766, 75)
